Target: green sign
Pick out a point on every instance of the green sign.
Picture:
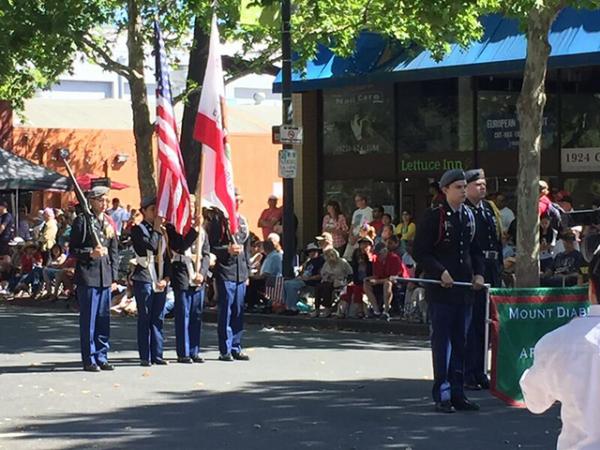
(520, 317)
(436, 165)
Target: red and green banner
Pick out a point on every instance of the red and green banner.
(520, 317)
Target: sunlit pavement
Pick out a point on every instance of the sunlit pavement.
(302, 389)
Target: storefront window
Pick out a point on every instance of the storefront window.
(585, 192)
(498, 124)
(358, 120)
(428, 116)
(377, 192)
(581, 120)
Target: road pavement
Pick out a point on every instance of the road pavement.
(302, 389)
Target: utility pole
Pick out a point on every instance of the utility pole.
(289, 226)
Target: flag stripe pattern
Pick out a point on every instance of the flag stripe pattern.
(173, 201)
(210, 129)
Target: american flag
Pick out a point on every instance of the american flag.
(173, 201)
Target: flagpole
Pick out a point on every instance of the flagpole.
(198, 217)
(289, 231)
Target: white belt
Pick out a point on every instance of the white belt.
(188, 260)
(147, 262)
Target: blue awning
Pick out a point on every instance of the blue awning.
(575, 41)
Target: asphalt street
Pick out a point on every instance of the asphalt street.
(302, 389)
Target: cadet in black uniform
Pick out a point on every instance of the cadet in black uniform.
(487, 235)
(231, 275)
(188, 283)
(95, 275)
(445, 248)
(150, 280)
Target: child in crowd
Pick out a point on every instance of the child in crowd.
(54, 265)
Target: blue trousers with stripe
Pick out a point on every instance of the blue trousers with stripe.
(150, 306)
(449, 324)
(188, 321)
(230, 318)
(94, 323)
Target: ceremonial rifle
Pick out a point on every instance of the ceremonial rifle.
(88, 216)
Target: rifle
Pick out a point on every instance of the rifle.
(63, 154)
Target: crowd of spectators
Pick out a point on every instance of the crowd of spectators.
(349, 270)
(34, 250)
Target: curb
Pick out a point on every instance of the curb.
(399, 327)
(395, 326)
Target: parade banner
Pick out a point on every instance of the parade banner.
(519, 318)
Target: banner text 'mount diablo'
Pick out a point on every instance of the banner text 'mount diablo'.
(520, 317)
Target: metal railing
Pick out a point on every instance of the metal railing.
(486, 286)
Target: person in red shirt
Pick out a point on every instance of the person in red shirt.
(377, 222)
(387, 264)
(270, 217)
(31, 270)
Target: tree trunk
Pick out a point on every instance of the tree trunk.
(143, 129)
(530, 108)
(190, 149)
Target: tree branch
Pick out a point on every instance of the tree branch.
(236, 69)
(107, 62)
(232, 64)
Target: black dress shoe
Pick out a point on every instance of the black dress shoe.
(240, 356)
(145, 363)
(198, 359)
(472, 387)
(444, 407)
(160, 362)
(91, 368)
(106, 366)
(484, 382)
(464, 404)
(185, 360)
(226, 357)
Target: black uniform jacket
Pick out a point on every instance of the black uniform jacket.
(487, 232)
(229, 268)
(179, 274)
(445, 241)
(101, 272)
(144, 238)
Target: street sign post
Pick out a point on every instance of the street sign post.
(288, 163)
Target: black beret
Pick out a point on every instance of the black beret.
(450, 176)
(148, 201)
(474, 175)
(97, 191)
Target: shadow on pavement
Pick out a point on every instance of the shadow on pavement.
(54, 331)
(360, 414)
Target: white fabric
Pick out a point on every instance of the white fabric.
(359, 218)
(565, 369)
(506, 216)
(217, 173)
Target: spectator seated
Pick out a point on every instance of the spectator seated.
(334, 278)
(566, 266)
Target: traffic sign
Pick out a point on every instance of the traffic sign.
(290, 134)
(288, 163)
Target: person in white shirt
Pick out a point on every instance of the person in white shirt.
(118, 214)
(566, 363)
(361, 215)
(506, 214)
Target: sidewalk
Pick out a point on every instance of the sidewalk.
(395, 326)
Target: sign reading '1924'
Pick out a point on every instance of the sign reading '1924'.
(580, 159)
